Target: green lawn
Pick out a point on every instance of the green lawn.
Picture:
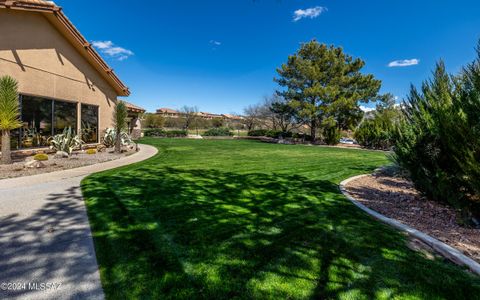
(230, 219)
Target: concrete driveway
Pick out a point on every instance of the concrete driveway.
(46, 246)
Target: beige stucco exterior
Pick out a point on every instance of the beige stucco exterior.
(46, 64)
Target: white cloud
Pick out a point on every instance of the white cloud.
(404, 63)
(111, 50)
(366, 109)
(311, 13)
(215, 43)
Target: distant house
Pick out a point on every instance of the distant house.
(63, 81)
(134, 121)
(232, 117)
(168, 112)
(172, 113)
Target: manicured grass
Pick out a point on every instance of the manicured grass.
(229, 219)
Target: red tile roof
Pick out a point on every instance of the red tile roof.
(134, 108)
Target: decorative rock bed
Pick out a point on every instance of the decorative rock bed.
(27, 166)
(394, 200)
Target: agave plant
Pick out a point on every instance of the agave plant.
(66, 141)
(110, 138)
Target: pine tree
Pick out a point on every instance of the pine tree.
(323, 82)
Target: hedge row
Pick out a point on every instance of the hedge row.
(218, 132)
(157, 132)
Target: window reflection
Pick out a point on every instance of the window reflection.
(41, 119)
(89, 123)
(65, 115)
(36, 122)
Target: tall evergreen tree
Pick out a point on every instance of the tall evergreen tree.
(322, 82)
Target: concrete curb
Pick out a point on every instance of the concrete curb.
(445, 250)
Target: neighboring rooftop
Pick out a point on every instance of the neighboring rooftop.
(134, 108)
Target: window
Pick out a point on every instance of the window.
(65, 115)
(36, 122)
(41, 119)
(89, 123)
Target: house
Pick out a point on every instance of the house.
(63, 81)
(168, 112)
(134, 121)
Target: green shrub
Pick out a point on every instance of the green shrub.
(257, 132)
(222, 131)
(40, 157)
(331, 135)
(270, 133)
(156, 132)
(379, 132)
(91, 151)
(438, 142)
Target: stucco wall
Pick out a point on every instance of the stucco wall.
(46, 64)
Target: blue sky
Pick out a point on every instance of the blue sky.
(221, 55)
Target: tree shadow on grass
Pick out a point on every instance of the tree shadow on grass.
(163, 232)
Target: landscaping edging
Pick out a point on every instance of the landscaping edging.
(145, 152)
(445, 250)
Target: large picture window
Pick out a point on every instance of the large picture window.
(36, 122)
(43, 118)
(65, 115)
(89, 123)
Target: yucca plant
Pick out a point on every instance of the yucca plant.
(9, 114)
(120, 115)
(66, 141)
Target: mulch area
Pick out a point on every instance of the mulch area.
(396, 198)
(76, 160)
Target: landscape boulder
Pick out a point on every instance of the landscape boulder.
(34, 164)
(61, 154)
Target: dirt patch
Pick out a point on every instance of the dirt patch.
(396, 198)
(77, 159)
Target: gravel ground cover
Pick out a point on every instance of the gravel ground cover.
(397, 198)
(77, 159)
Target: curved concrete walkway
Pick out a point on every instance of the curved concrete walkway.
(45, 235)
(445, 250)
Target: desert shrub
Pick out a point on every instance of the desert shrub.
(91, 151)
(257, 132)
(110, 137)
(66, 141)
(40, 157)
(379, 132)
(218, 132)
(153, 121)
(302, 136)
(438, 142)
(270, 133)
(165, 133)
(331, 134)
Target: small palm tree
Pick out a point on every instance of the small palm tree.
(9, 114)
(120, 115)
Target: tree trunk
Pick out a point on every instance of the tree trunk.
(313, 130)
(6, 153)
(118, 141)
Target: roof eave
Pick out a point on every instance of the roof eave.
(55, 15)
